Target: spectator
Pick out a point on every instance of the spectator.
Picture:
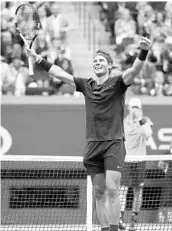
(7, 80)
(11, 6)
(59, 51)
(42, 11)
(145, 81)
(66, 65)
(114, 9)
(7, 45)
(159, 81)
(5, 12)
(144, 18)
(42, 48)
(21, 74)
(166, 56)
(60, 56)
(18, 44)
(158, 26)
(14, 77)
(41, 45)
(57, 24)
(109, 13)
(158, 46)
(106, 16)
(168, 22)
(55, 51)
(150, 19)
(168, 7)
(138, 128)
(125, 28)
(167, 88)
(50, 43)
(129, 55)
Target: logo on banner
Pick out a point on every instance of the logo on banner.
(164, 137)
(6, 141)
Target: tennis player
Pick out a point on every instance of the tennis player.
(138, 129)
(104, 101)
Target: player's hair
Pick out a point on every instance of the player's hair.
(105, 55)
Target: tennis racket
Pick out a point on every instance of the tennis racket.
(27, 25)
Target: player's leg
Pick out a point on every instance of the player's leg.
(123, 199)
(138, 172)
(112, 186)
(114, 161)
(99, 186)
(94, 163)
(137, 203)
(126, 182)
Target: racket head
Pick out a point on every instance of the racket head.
(27, 22)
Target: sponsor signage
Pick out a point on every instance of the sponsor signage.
(59, 128)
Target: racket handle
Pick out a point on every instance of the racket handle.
(30, 65)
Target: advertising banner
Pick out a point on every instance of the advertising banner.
(59, 129)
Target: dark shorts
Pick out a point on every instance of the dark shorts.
(100, 156)
(134, 174)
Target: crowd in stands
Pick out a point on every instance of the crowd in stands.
(126, 22)
(51, 43)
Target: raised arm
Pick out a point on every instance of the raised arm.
(132, 72)
(146, 129)
(52, 69)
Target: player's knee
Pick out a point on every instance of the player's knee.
(113, 184)
(112, 191)
(99, 193)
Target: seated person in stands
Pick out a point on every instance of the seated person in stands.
(125, 28)
(58, 26)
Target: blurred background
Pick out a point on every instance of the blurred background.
(71, 32)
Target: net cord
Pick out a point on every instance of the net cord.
(42, 158)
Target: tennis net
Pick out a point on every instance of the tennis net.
(42, 193)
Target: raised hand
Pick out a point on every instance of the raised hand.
(31, 52)
(145, 43)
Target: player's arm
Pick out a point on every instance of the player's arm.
(146, 127)
(52, 69)
(132, 72)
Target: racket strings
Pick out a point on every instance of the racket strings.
(27, 21)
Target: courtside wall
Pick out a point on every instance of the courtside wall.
(56, 126)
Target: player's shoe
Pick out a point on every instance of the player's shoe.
(122, 225)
